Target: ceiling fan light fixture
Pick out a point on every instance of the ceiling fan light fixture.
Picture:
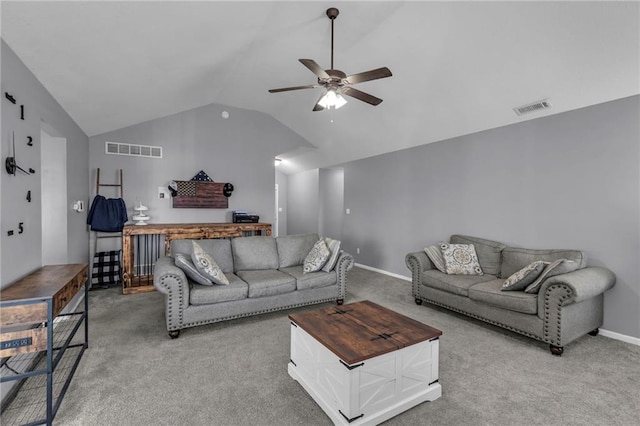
(332, 99)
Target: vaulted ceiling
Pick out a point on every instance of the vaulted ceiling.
(458, 67)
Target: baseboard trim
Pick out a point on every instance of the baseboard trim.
(621, 337)
(603, 332)
(382, 271)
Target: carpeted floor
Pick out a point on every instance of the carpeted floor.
(235, 373)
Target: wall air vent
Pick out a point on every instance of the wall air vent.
(118, 148)
(533, 107)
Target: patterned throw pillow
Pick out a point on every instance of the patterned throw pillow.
(519, 280)
(316, 258)
(207, 266)
(460, 259)
(560, 266)
(435, 256)
(190, 270)
(334, 248)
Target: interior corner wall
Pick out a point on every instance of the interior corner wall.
(303, 202)
(21, 253)
(282, 180)
(570, 180)
(240, 150)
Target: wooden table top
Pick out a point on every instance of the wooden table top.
(362, 330)
(43, 283)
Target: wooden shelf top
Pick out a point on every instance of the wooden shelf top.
(362, 330)
(44, 283)
(159, 228)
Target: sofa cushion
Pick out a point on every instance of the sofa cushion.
(317, 257)
(560, 266)
(514, 258)
(334, 248)
(460, 259)
(519, 280)
(489, 252)
(267, 282)
(457, 284)
(310, 279)
(435, 256)
(184, 262)
(219, 249)
(292, 249)
(208, 294)
(255, 253)
(207, 266)
(490, 292)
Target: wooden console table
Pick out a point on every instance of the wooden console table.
(37, 345)
(137, 279)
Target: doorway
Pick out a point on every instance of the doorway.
(53, 166)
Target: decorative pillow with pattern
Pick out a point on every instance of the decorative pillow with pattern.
(316, 258)
(334, 248)
(190, 270)
(560, 266)
(519, 280)
(207, 266)
(460, 259)
(435, 256)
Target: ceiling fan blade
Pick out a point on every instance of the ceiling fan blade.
(360, 95)
(315, 68)
(369, 75)
(286, 89)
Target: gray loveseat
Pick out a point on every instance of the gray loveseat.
(265, 274)
(566, 307)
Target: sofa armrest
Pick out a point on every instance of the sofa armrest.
(171, 281)
(343, 264)
(417, 262)
(573, 287)
(583, 284)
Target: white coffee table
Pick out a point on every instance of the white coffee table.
(363, 363)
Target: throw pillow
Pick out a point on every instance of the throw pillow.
(519, 280)
(207, 266)
(435, 256)
(460, 259)
(560, 266)
(316, 258)
(185, 263)
(334, 248)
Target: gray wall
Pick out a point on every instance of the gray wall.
(303, 202)
(331, 193)
(570, 180)
(20, 254)
(239, 150)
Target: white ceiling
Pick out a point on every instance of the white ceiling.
(458, 67)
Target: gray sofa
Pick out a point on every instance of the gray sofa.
(566, 307)
(265, 274)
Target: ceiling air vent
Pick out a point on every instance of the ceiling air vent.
(118, 148)
(533, 107)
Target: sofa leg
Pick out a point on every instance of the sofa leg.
(594, 332)
(418, 301)
(174, 334)
(556, 350)
(340, 301)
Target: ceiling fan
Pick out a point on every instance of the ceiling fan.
(336, 82)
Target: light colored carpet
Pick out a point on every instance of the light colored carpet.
(235, 373)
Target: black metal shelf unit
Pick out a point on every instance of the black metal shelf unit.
(41, 358)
